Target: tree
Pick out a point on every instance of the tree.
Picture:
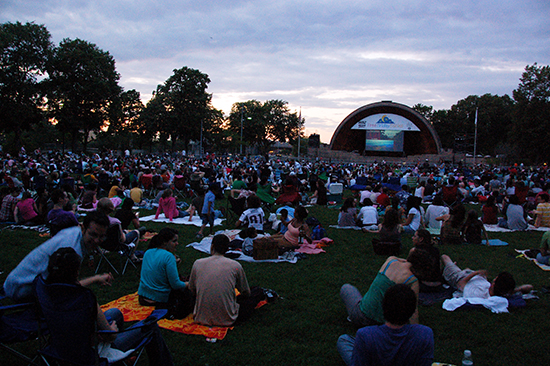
(456, 127)
(124, 112)
(263, 123)
(24, 49)
(83, 83)
(184, 103)
(531, 132)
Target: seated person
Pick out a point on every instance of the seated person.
(167, 205)
(543, 211)
(83, 239)
(8, 205)
(59, 219)
(26, 211)
(117, 237)
(64, 267)
(514, 215)
(396, 342)
(432, 282)
(319, 196)
(435, 209)
(254, 215)
(127, 216)
(490, 211)
(160, 284)
(414, 216)
(473, 229)
(136, 193)
(389, 230)
(474, 284)
(213, 280)
(89, 198)
(348, 213)
(367, 310)
(544, 256)
(452, 226)
(368, 216)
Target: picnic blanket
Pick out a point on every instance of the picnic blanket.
(345, 227)
(133, 311)
(314, 248)
(494, 243)
(522, 253)
(196, 221)
(496, 228)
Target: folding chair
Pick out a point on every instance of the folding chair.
(113, 243)
(235, 208)
(70, 312)
(19, 323)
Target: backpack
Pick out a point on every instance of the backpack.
(318, 233)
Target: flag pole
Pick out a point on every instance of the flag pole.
(475, 139)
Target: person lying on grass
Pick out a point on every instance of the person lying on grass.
(474, 284)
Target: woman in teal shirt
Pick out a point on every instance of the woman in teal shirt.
(160, 284)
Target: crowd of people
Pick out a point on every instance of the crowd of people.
(53, 188)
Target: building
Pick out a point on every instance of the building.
(386, 129)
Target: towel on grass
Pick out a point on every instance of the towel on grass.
(196, 221)
(521, 252)
(494, 242)
(496, 304)
(133, 311)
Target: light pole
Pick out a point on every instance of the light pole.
(242, 117)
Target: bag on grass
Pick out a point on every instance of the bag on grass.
(265, 248)
(318, 233)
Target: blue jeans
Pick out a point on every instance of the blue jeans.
(157, 350)
(352, 300)
(345, 345)
(543, 259)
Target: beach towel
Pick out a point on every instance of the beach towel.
(521, 252)
(494, 242)
(133, 311)
(196, 221)
(496, 304)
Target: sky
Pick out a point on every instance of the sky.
(325, 58)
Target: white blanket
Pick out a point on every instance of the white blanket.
(496, 304)
(205, 243)
(496, 228)
(197, 221)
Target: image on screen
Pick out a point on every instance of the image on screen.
(384, 140)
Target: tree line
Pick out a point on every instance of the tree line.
(69, 94)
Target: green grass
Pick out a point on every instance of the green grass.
(302, 327)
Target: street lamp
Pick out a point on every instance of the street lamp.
(242, 119)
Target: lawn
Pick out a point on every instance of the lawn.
(301, 328)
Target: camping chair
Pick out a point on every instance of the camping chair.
(235, 207)
(19, 323)
(449, 195)
(113, 243)
(70, 312)
(181, 188)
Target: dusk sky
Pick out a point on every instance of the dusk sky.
(326, 57)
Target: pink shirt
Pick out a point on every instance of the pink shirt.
(168, 206)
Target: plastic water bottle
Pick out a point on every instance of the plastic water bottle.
(467, 359)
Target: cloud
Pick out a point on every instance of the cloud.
(326, 57)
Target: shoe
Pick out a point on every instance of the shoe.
(199, 236)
